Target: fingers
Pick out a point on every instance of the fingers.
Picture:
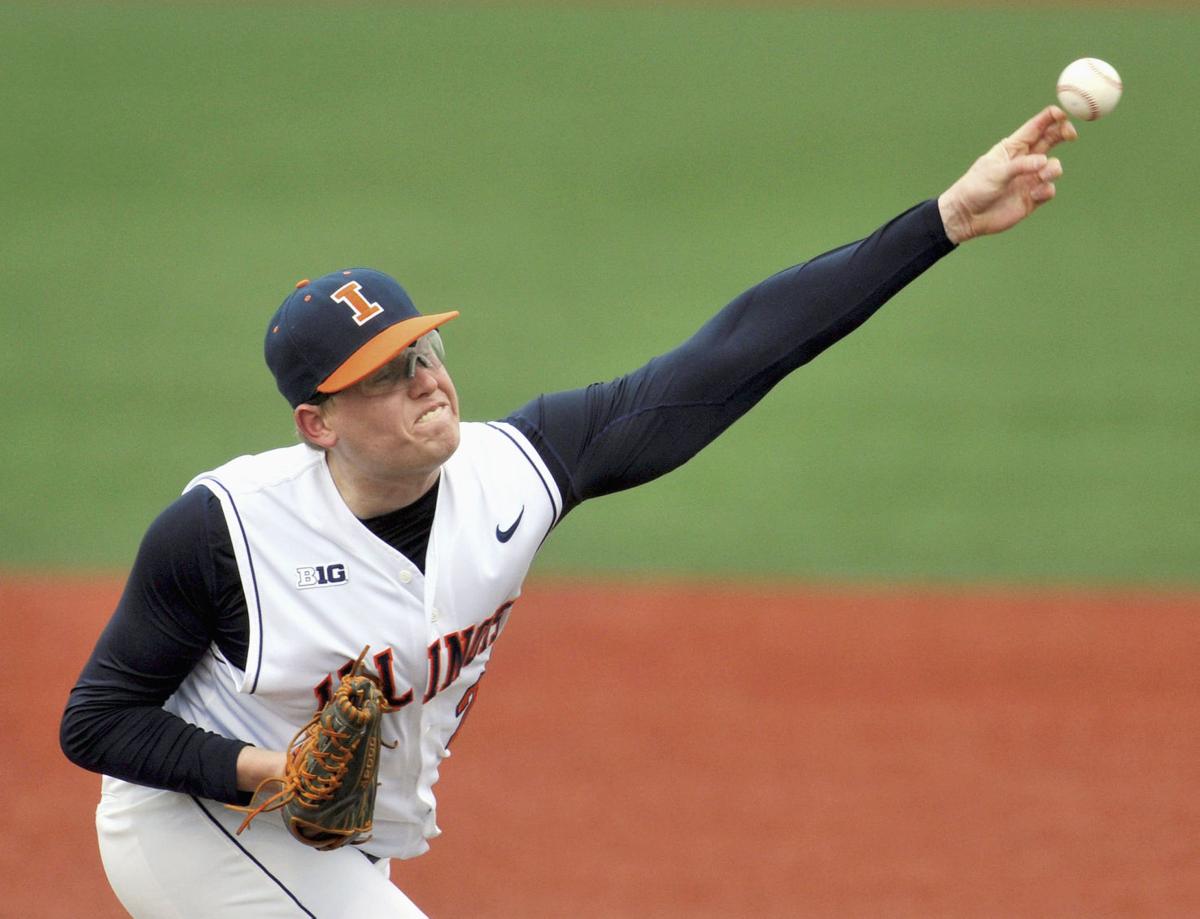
(1047, 168)
(1041, 133)
(1042, 188)
(1052, 170)
(1059, 129)
(1045, 189)
(1040, 194)
(1031, 131)
(1032, 176)
(1024, 165)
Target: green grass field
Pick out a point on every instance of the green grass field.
(587, 186)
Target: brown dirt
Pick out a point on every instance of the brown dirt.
(660, 750)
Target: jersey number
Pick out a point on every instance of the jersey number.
(464, 707)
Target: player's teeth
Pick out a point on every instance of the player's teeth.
(429, 414)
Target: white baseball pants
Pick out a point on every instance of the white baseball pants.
(170, 855)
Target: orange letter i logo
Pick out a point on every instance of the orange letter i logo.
(350, 294)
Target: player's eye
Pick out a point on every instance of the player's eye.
(391, 373)
(385, 379)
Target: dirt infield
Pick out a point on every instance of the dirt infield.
(758, 751)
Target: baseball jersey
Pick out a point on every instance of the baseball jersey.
(320, 587)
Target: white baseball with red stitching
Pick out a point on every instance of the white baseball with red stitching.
(1089, 88)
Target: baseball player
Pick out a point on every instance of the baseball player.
(395, 526)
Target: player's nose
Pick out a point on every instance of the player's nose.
(423, 382)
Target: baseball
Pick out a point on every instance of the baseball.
(1089, 88)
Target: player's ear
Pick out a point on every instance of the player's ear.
(313, 425)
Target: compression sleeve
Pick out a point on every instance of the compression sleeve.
(615, 435)
(181, 595)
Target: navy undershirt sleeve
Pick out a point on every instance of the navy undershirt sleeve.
(182, 595)
(615, 435)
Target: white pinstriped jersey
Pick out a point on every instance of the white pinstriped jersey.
(320, 586)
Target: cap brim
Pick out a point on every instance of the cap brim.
(381, 349)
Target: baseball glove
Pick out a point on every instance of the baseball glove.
(327, 793)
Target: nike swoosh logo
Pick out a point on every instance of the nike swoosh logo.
(506, 535)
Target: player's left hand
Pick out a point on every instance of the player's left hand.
(1010, 181)
(327, 791)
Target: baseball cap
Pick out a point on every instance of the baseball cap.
(330, 333)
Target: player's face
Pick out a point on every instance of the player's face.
(395, 426)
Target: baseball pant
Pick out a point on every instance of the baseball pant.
(171, 856)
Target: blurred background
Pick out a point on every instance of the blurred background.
(587, 186)
(938, 589)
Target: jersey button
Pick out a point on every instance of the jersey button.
(434, 615)
(405, 576)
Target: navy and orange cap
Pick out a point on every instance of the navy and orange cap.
(330, 333)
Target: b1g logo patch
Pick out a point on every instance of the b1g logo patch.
(321, 576)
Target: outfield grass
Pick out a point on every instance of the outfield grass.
(587, 186)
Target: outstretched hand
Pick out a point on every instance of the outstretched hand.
(1010, 181)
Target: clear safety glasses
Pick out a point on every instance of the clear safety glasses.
(427, 351)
